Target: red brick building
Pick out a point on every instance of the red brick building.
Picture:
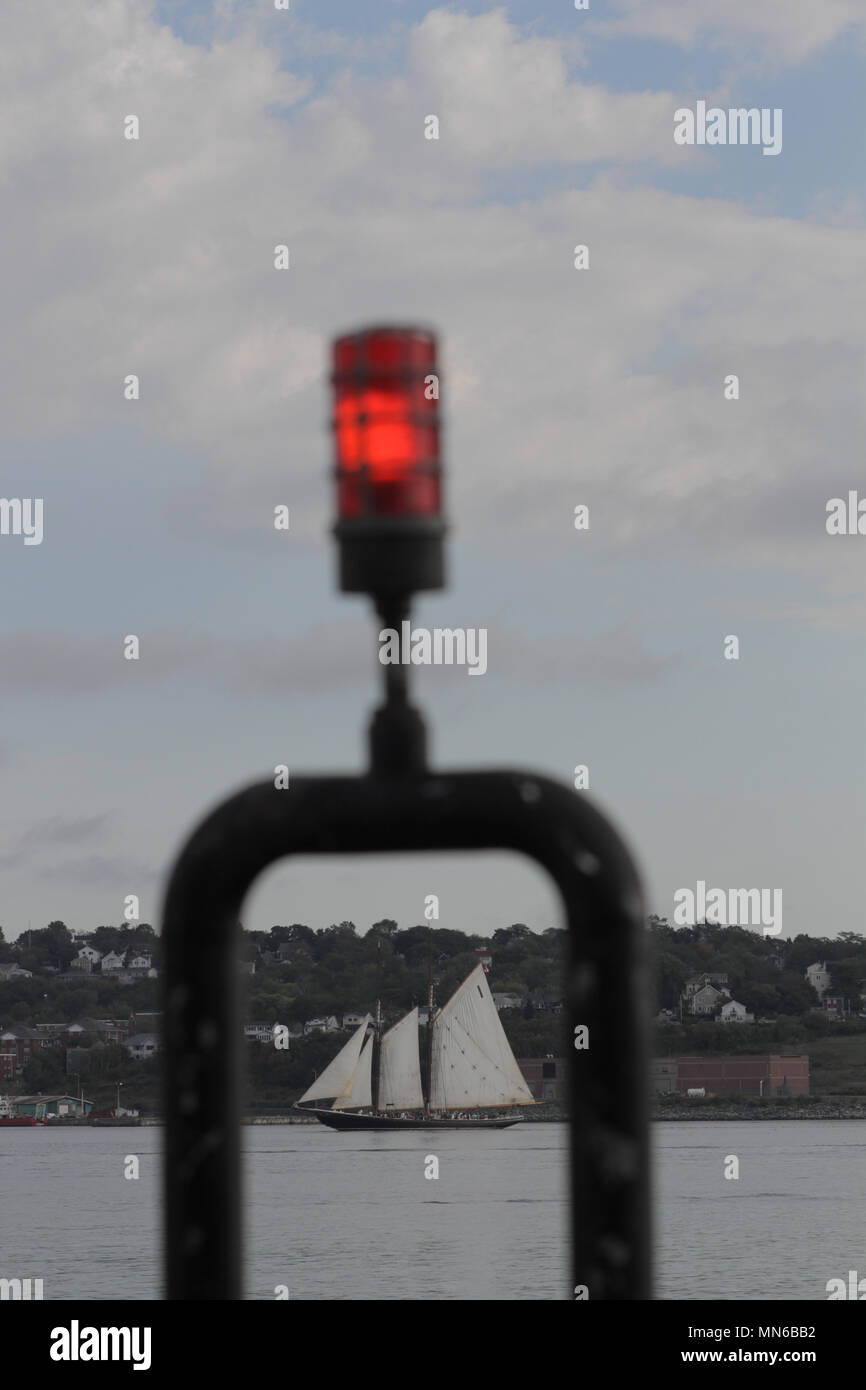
(765, 1074)
(545, 1077)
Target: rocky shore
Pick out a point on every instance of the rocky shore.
(841, 1108)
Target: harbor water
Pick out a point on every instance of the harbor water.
(334, 1216)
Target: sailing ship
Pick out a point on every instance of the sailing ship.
(375, 1080)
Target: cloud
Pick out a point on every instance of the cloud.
(506, 100)
(785, 31)
(560, 386)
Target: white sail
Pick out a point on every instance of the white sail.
(357, 1094)
(472, 1064)
(339, 1072)
(399, 1070)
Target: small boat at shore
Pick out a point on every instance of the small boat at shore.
(375, 1079)
(9, 1120)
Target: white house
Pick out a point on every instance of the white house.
(732, 1012)
(143, 1045)
(321, 1025)
(259, 1032)
(819, 978)
(86, 959)
(142, 962)
(112, 961)
(354, 1020)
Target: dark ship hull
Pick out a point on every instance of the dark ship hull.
(343, 1119)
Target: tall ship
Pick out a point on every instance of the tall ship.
(374, 1082)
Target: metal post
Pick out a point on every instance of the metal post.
(606, 993)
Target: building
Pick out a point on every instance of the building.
(696, 982)
(111, 962)
(42, 1107)
(321, 1025)
(544, 1000)
(14, 972)
(706, 1000)
(835, 1004)
(545, 1077)
(764, 1074)
(484, 957)
(354, 1020)
(145, 1022)
(142, 1046)
(17, 1046)
(818, 977)
(507, 1001)
(732, 1012)
(87, 957)
(663, 1075)
(259, 1032)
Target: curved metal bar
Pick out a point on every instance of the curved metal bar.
(606, 994)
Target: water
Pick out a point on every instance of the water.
(341, 1216)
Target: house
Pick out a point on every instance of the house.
(140, 962)
(484, 956)
(507, 1001)
(354, 1020)
(697, 982)
(706, 1000)
(14, 972)
(545, 999)
(834, 1004)
(86, 958)
(321, 1025)
(259, 1032)
(818, 977)
(111, 1029)
(732, 1012)
(142, 1046)
(47, 1107)
(111, 962)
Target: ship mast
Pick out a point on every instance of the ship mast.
(377, 1032)
(377, 1055)
(429, 1021)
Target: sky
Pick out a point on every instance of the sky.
(602, 387)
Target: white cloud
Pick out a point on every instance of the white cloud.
(602, 386)
(506, 100)
(786, 31)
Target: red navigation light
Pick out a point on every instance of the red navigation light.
(386, 424)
